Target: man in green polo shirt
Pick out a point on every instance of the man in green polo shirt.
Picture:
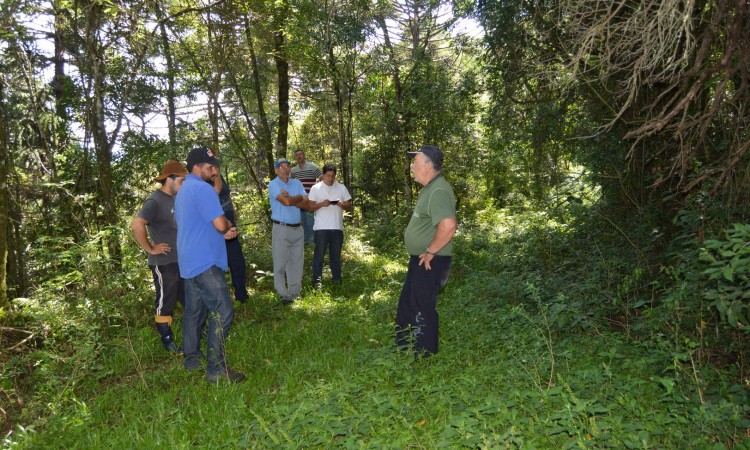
(428, 240)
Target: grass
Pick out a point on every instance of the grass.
(324, 373)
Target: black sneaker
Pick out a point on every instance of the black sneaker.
(230, 375)
(192, 363)
(173, 348)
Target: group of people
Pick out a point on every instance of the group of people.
(193, 241)
(304, 210)
(186, 215)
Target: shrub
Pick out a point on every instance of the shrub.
(727, 276)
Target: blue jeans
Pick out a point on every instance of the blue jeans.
(331, 240)
(207, 295)
(308, 221)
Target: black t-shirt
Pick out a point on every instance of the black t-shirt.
(225, 199)
(158, 211)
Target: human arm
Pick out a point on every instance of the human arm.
(296, 196)
(138, 226)
(225, 227)
(320, 197)
(312, 205)
(285, 199)
(446, 228)
(345, 198)
(218, 183)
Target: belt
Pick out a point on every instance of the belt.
(291, 225)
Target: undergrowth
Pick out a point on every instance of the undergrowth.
(548, 339)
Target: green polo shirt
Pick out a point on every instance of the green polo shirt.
(435, 203)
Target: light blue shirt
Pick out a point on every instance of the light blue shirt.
(200, 246)
(280, 212)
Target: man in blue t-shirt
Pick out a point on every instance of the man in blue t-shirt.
(287, 196)
(202, 257)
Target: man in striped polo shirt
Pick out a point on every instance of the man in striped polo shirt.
(309, 174)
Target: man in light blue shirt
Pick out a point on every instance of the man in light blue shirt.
(202, 257)
(287, 196)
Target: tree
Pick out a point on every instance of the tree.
(109, 46)
(415, 93)
(166, 47)
(279, 18)
(4, 198)
(678, 76)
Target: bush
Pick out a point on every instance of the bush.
(727, 276)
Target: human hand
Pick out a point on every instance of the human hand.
(425, 259)
(231, 234)
(160, 249)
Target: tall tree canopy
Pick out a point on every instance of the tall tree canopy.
(649, 98)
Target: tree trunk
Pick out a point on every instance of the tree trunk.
(214, 80)
(346, 158)
(401, 140)
(4, 222)
(97, 125)
(15, 271)
(59, 81)
(282, 69)
(171, 109)
(264, 139)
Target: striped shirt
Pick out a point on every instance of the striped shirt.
(308, 175)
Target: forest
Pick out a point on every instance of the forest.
(599, 151)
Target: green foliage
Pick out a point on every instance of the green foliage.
(521, 363)
(384, 230)
(585, 315)
(728, 276)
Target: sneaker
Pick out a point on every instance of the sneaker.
(229, 375)
(286, 300)
(192, 364)
(171, 347)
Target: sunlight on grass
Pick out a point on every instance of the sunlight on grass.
(516, 369)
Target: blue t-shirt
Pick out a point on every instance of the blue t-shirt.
(280, 212)
(200, 246)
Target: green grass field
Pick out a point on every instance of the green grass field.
(325, 373)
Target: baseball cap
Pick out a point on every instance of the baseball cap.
(171, 167)
(430, 151)
(200, 155)
(281, 161)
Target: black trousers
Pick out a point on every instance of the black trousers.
(170, 289)
(237, 269)
(417, 317)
